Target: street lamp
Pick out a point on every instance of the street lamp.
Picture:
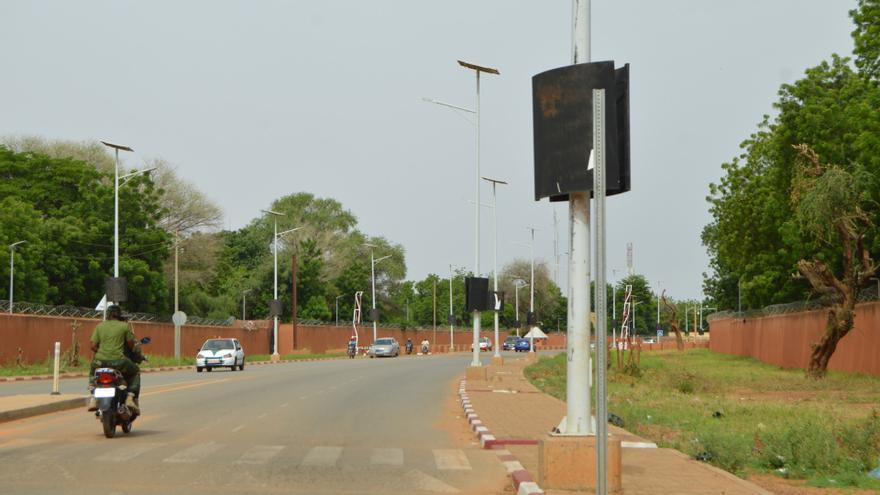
(517, 284)
(532, 279)
(495, 183)
(659, 286)
(12, 270)
(476, 314)
(244, 303)
(373, 262)
(275, 238)
(701, 314)
(337, 310)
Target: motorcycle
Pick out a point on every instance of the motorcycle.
(409, 347)
(425, 349)
(352, 351)
(110, 392)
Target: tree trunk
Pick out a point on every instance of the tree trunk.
(840, 322)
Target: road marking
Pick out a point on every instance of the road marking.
(303, 397)
(422, 482)
(451, 459)
(387, 457)
(194, 453)
(322, 457)
(238, 428)
(198, 384)
(127, 453)
(285, 404)
(261, 416)
(259, 454)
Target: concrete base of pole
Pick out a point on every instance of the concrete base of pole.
(497, 361)
(569, 463)
(476, 373)
(531, 356)
(275, 358)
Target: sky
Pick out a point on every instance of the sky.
(252, 101)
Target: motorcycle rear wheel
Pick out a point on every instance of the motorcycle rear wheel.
(108, 421)
(126, 427)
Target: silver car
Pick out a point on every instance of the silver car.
(387, 347)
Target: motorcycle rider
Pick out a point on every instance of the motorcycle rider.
(352, 347)
(409, 346)
(425, 346)
(112, 344)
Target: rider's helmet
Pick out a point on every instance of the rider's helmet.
(114, 312)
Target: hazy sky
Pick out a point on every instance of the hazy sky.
(252, 100)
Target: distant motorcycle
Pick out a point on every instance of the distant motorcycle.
(409, 347)
(110, 392)
(425, 349)
(352, 351)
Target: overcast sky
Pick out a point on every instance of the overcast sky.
(255, 100)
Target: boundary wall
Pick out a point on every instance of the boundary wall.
(785, 340)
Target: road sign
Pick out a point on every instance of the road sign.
(659, 332)
(179, 318)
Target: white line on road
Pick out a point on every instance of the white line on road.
(425, 483)
(448, 459)
(285, 404)
(387, 457)
(194, 453)
(322, 457)
(127, 453)
(261, 416)
(237, 428)
(259, 454)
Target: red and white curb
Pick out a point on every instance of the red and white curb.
(522, 479)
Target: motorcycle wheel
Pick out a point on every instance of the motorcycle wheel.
(108, 421)
(126, 427)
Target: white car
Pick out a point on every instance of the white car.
(485, 344)
(220, 353)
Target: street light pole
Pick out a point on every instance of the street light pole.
(489, 70)
(659, 284)
(373, 262)
(12, 270)
(517, 284)
(275, 237)
(244, 304)
(451, 315)
(495, 183)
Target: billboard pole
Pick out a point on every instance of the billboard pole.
(578, 419)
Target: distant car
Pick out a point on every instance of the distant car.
(485, 344)
(220, 353)
(522, 345)
(387, 347)
(649, 340)
(509, 343)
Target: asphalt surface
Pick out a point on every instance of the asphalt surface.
(345, 426)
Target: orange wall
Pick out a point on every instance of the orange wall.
(785, 339)
(36, 336)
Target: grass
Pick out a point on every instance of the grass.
(745, 416)
(46, 367)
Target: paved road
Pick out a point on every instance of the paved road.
(362, 426)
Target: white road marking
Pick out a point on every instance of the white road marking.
(261, 416)
(322, 457)
(127, 453)
(387, 457)
(451, 459)
(285, 404)
(259, 454)
(422, 482)
(238, 428)
(194, 453)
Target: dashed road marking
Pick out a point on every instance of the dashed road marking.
(387, 457)
(451, 459)
(127, 453)
(259, 454)
(322, 457)
(194, 453)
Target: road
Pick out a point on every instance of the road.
(362, 426)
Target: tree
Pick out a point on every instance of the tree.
(829, 206)
(753, 238)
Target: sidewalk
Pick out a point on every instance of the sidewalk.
(514, 415)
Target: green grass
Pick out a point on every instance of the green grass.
(772, 420)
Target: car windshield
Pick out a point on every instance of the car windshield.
(217, 344)
(510, 339)
(384, 342)
(484, 339)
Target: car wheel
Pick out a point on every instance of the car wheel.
(198, 369)
(241, 366)
(208, 369)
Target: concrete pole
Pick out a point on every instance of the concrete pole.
(516, 296)
(275, 293)
(176, 298)
(476, 344)
(495, 260)
(451, 313)
(56, 372)
(12, 271)
(116, 218)
(578, 412)
(373, 297)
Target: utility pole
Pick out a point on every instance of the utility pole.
(451, 315)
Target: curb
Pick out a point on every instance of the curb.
(27, 412)
(26, 378)
(522, 479)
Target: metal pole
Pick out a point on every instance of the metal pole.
(516, 296)
(176, 300)
(11, 275)
(434, 299)
(116, 219)
(275, 297)
(476, 344)
(373, 297)
(337, 311)
(578, 413)
(243, 305)
(495, 260)
(451, 313)
(601, 293)
(701, 316)
(55, 375)
(739, 290)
